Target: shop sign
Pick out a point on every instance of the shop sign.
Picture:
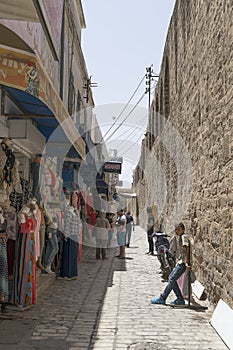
(112, 167)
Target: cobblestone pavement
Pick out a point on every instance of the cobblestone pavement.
(108, 307)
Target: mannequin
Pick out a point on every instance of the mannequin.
(3, 261)
(24, 286)
(11, 217)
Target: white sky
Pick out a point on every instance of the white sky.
(122, 38)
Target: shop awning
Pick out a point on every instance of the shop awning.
(23, 10)
(30, 87)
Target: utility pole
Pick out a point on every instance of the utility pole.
(150, 75)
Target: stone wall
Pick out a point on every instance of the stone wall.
(186, 163)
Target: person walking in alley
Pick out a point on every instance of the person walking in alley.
(121, 232)
(102, 227)
(150, 230)
(129, 227)
(182, 255)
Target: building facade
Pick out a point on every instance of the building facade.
(48, 134)
(186, 162)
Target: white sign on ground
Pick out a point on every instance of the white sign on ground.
(222, 321)
(198, 289)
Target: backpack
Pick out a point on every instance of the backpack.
(128, 219)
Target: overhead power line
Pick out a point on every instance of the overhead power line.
(126, 117)
(133, 144)
(140, 83)
(137, 126)
(133, 132)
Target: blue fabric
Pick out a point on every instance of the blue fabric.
(4, 271)
(172, 282)
(121, 236)
(51, 248)
(69, 260)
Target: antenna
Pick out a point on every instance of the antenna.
(87, 87)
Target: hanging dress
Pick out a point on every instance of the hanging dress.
(24, 290)
(69, 260)
(10, 214)
(3, 263)
(3, 159)
(37, 232)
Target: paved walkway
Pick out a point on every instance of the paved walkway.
(108, 308)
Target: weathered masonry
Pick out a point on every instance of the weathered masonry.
(186, 163)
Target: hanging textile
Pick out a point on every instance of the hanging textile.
(3, 260)
(24, 288)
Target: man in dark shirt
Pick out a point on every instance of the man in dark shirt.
(150, 230)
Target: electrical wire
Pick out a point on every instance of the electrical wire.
(126, 117)
(133, 127)
(128, 139)
(132, 96)
(122, 144)
(133, 144)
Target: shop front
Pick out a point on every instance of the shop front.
(34, 212)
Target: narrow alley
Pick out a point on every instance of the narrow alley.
(108, 307)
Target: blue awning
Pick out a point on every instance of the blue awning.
(39, 101)
(31, 105)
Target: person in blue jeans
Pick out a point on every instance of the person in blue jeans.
(182, 255)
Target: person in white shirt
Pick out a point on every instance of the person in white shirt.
(121, 232)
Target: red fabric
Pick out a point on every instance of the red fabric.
(92, 220)
(27, 226)
(83, 198)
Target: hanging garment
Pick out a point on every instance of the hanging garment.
(24, 285)
(3, 271)
(10, 214)
(69, 260)
(3, 261)
(16, 183)
(37, 232)
(51, 247)
(10, 161)
(19, 199)
(3, 159)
